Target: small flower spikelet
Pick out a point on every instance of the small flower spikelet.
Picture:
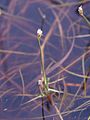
(39, 33)
(80, 10)
(40, 82)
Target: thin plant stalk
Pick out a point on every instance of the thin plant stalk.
(43, 109)
(84, 83)
(42, 61)
(42, 72)
(85, 18)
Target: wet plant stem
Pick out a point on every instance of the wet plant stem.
(43, 109)
(43, 73)
(42, 63)
(85, 18)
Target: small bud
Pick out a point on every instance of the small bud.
(80, 10)
(5, 109)
(44, 16)
(39, 33)
(40, 82)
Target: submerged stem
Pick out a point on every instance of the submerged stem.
(43, 109)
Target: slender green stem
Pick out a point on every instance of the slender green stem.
(42, 62)
(43, 73)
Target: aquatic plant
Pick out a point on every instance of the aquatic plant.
(44, 60)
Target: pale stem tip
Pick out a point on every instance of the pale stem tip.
(80, 10)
